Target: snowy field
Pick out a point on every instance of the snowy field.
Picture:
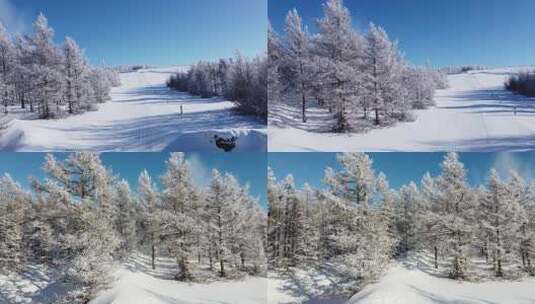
(474, 114)
(144, 115)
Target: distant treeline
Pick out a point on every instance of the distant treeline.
(241, 80)
(462, 69)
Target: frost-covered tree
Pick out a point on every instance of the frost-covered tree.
(125, 218)
(382, 76)
(454, 213)
(500, 217)
(234, 237)
(7, 67)
(298, 67)
(149, 201)
(408, 213)
(77, 87)
(362, 235)
(240, 80)
(13, 202)
(181, 206)
(80, 187)
(360, 78)
(274, 61)
(54, 81)
(337, 48)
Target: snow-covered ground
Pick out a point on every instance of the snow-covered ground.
(474, 114)
(136, 283)
(36, 284)
(411, 280)
(144, 115)
(406, 284)
(310, 285)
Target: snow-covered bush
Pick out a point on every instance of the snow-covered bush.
(241, 80)
(523, 83)
(54, 81)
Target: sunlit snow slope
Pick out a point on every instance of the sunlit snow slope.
(136, 283)
(142, 116)
(408, 284)
(474, 114)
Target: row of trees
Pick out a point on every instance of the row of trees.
(53, 81)
(348, 224)
(81, 218)
(362, 79)
(359, 223)
(523, 83)
(239, 79)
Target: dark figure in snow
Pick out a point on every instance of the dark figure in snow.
(514, 110)
(225, 144)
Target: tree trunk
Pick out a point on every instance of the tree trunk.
(304, 108)
(153, 249)
(436, 257)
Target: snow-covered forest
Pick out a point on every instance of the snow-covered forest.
(52, 81)
(361, 78)
(241, 80)
(358, 226)
(82, 220)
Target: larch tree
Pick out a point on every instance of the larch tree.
(149, 201)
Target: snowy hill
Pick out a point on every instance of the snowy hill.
(143, 115)
(404, 284)
(474, 114)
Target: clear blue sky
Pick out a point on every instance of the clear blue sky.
(402, 168)
(159, 32)
(452, 32)
(246, 167)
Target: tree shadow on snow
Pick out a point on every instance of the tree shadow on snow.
(325, 285)
(496, 102)
(153, 132)
(424, 263)
(161, 94)
(487, 144)
(438, 299)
